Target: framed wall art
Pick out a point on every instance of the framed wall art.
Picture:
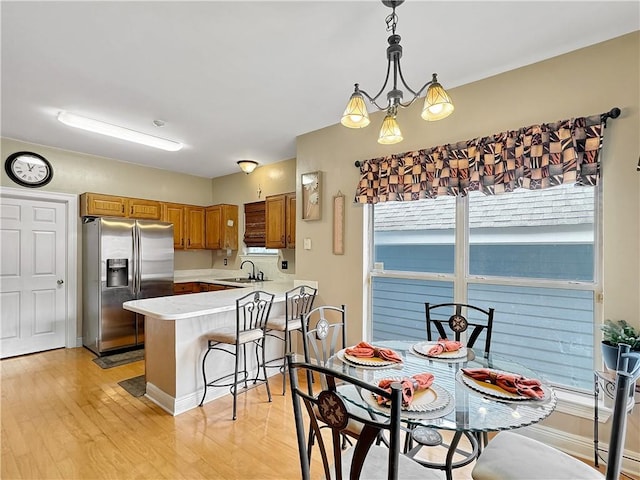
(311, 196)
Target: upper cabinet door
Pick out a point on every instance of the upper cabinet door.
(275, 211)
(144, 209)
(213, 225)
(195, 227)
(174, 213)
(99, 205)
(290, 224)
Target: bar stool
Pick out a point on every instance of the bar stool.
(298, 302)
(252, 313)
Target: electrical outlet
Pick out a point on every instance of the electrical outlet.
(285, 264)
(225, 262)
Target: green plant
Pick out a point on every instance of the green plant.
(618, 332)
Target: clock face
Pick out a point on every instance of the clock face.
(28, 169)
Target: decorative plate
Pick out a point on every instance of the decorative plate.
(433, 398)
(423, 348)
(373, 362)
(495, 391)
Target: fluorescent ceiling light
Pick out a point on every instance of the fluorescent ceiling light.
(122, 133)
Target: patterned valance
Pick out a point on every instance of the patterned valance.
(534, 157)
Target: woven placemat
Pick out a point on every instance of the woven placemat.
(136, 386)
(117, 359)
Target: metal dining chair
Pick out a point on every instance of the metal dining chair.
(252, 314)
(327, 409)
(298, 302)
(447, 320)
(510, 456)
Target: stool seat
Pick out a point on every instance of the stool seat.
(228, 335)
(280, 324)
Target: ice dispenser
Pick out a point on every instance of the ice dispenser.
(117, 272)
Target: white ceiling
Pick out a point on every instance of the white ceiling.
(237, 79)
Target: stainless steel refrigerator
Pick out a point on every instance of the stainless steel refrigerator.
(122, 260)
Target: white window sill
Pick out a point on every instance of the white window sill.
(581, 405)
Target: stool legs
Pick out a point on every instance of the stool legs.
(240, 350)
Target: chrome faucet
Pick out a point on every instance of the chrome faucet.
(252, 275)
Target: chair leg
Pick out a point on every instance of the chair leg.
(234, 387)
(204, 376)
(287, 342)
(264, 367)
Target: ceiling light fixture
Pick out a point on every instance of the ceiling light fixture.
(122, 133)
(437, 103)
(247, 166)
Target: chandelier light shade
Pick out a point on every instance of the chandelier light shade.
(96, 126)
(355, 115)
(390, 131)
(247, 166)
(437, 103)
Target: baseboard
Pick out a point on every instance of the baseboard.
(578, 446)
(176, 406)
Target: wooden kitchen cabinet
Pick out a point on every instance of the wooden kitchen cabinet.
(280, 221)
(144, 209)
(221, 227)
(101, 205)
(195, 227)
(174, 213)
(183, 288)
(188, 225)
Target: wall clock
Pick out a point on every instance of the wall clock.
(28, 169)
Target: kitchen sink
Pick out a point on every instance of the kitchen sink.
(240, 280)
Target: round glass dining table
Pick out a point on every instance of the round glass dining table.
(453, 402)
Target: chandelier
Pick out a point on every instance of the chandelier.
(437, 103)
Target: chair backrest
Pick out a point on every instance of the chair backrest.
(299, 301)
(448, 318)
(324, 333)
(252, 310)
(625, 380)
(329, 405)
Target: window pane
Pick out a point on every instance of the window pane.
(533, 233)
(415, 236)
(549, 330)
(398, 306)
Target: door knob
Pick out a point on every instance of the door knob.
(60, 282)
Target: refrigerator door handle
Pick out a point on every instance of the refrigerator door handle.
(136, 262)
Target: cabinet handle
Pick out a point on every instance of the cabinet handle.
(289, 239)
(131, 213)
(189, 243)
(122, 208)
(282, 239)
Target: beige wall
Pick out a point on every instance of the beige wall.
(584, 82)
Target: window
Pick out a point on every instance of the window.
(530, 254)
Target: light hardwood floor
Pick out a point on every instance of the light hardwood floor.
(63, 417)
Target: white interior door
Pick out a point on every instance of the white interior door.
(33, 286)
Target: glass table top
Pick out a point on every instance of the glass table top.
(453, 402)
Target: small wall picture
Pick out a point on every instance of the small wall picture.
(311, 200)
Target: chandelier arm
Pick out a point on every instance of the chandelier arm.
(404, 82)
(421, 91)
(373, 99)
(384, 85)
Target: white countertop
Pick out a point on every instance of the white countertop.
(197, 304)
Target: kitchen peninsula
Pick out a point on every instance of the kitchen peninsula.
(175, 340)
